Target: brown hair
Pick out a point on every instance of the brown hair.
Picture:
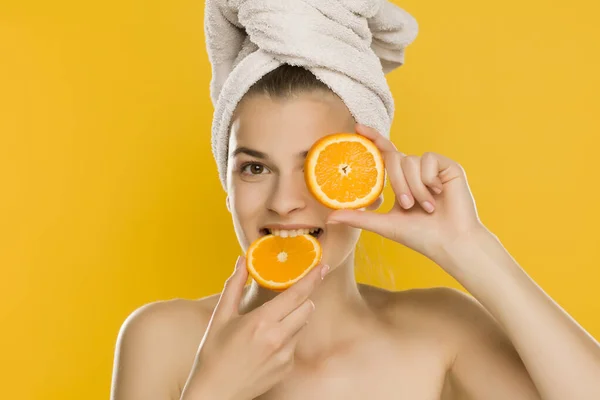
(286, 81)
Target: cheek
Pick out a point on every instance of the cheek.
(247, 199)
(247, 202)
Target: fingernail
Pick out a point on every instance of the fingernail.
(437, 190)
(428, 206)
(332, 222)
(324, 271)
(405, 201)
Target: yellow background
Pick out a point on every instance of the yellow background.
(110, 197)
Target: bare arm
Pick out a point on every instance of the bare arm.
(485, 363)
(560, 357)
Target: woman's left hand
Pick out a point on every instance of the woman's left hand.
(433, 205)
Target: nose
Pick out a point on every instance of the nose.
(289, 194)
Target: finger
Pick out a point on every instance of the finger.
(392, 159)
(297, 319)
(393, 165)
(382, 143)
(411, 166)
(375, 222)
(430, 170)
(229, 301)
(445, 168)
(282, 305)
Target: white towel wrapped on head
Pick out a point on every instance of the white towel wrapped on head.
(347, 44)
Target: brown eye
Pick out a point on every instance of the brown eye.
(253, 169)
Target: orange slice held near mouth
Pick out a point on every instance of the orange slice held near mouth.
(342, 171)
(277, 262)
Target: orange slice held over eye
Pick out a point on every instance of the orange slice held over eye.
(278, 262)
(345, 170)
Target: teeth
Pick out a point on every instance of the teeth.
(293, 233)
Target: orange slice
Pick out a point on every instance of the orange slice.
(344, 170)
(277, 263)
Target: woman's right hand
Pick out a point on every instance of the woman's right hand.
(242, 356)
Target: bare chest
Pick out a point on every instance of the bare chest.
(412, 375)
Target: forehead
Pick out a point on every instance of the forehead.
(294, 124)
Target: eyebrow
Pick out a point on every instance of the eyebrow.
(250, 152)
(260, 154)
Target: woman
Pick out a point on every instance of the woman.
(328, 337)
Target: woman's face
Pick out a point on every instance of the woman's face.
(265, 173)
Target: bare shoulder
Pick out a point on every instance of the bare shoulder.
(445, 315)
(156, 347)
(444, 305)
(439, 305)
(480, 356)
(445, 311)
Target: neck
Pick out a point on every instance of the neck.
(339, 309)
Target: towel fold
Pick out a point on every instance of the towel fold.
(348, 44)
